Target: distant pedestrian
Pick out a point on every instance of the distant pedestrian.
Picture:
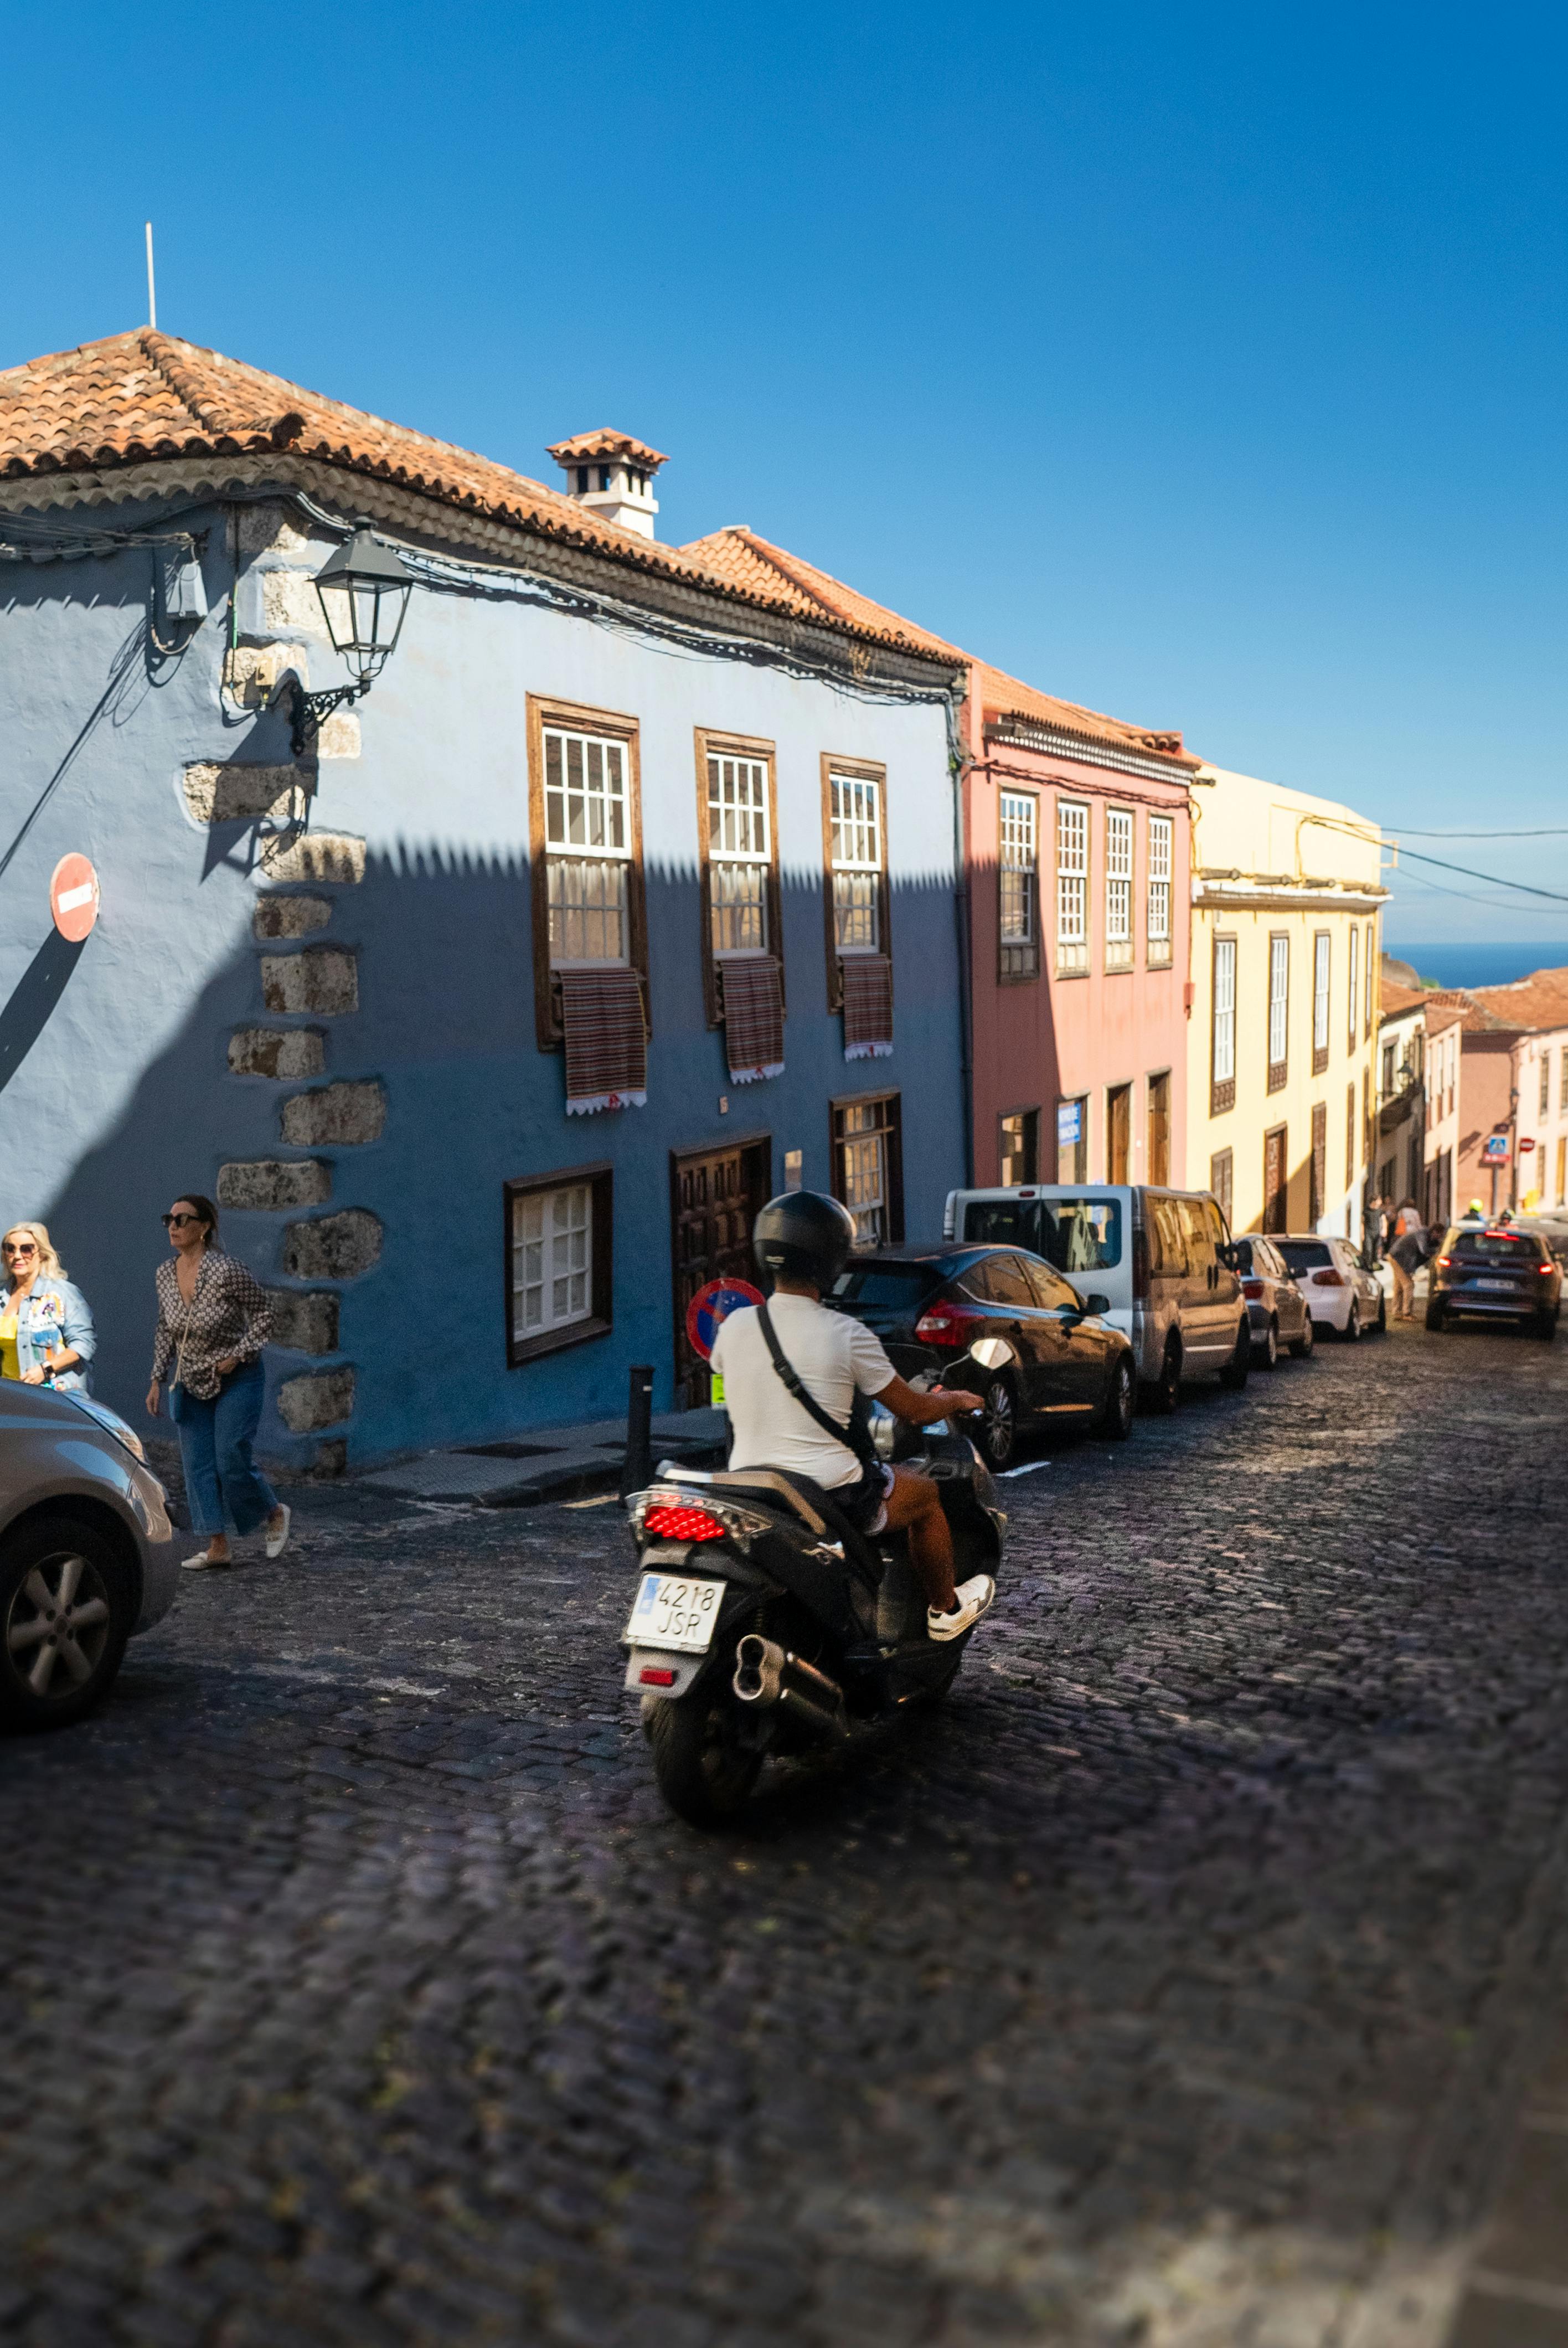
(1406, 1218)
(1409, 1252)
(213, 1320)
(1374, 1226)
(45, 1329)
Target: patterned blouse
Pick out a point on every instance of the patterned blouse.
(229, 1319)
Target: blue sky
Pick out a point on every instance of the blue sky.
(1204, 364)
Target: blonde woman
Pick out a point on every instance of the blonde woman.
(213, 1320)
(45, 1329)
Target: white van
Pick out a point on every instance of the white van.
(1163, 1257)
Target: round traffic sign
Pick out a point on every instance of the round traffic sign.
(74, 898)
(710, 1306)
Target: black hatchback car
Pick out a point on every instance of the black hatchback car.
(928, 1305)
(1494, 1271)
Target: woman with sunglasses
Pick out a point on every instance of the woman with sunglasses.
(213, 1320)
(45, 1330)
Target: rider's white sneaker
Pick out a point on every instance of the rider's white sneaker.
(974, 1598)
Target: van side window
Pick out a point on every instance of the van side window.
(1168, 1248)
(1216, 1223)
(1199, 1238)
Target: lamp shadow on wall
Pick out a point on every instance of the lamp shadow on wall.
(33, 1000)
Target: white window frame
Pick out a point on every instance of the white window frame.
(1355, 1003)
(561, 1253)
(856, 815)
(1278, 998)
(1321, 971)
(1118, 853)
(1071, 886)
(1018, 855)
(1222, 1038)
(1157, 895)
(588, 862)
(739, 848)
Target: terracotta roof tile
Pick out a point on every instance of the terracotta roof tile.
(1397, 1000)
(751, 560)
(606, 443)
(1539, 1001)
(145, 395)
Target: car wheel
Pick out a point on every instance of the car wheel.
(1545, 1326)
(1351, 1332)
(67, 1609)
(1234, 1373)
(1380, 1326)
(1302, 1346)
(1435, 1316)
(1166, 1393)
(1116, 1423)
(1268, 1352)
(999, 1429)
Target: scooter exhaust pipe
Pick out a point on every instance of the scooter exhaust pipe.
(766, 1674)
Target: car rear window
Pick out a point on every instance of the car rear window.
(1305, 1255)
(1495, 1247)
(889, 1287)
(1002, 1222)
(1081, 1234)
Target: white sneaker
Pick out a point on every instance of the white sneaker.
(277, 1542)
(203, 1560)
(974, 1598)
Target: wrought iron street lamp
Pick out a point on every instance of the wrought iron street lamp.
(364, 591)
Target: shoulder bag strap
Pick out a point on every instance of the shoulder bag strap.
(854, 1437)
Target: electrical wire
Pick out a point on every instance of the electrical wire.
(1493, 880)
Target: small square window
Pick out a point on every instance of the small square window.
(558, 1260)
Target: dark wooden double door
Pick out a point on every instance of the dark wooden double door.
(714, 1195)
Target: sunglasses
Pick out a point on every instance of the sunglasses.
(173, 1222)
(17, 1247)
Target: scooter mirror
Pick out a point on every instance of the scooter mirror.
(992, 1353)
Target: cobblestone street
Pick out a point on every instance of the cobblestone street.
(1177, 1982)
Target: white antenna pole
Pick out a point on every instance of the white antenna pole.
(151, 286)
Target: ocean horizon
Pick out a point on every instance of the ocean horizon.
(1471, 963)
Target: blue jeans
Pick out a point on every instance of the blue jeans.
(221, 1479)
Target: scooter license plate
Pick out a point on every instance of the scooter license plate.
(673, 1610)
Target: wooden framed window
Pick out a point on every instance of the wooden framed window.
(1318, 1199)
(1321, 951)
(867, 1161)
(1222, 1182)
(1071, 889)
(1118, 888)
(585, 830)
(558, 1238)
(737, 833)
(854, 853)
(1158, 1168)
(1157, 915)
(1369, 990)
(1563, 1081)
(1354, 1005)
(1545, 1084)
(1278, 1009)
(1222, 1042)
(1073, 1139)
(1020, 1151)
(1018, 885)
(1351, 1127)
(1276, 1181)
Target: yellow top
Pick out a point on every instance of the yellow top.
(10, 1367)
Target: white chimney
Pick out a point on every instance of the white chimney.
(612, 475)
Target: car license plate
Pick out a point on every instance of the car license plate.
(673, 1610)
(1492, 1283)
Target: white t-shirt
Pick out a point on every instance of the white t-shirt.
(832, 1354)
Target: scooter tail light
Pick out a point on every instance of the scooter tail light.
(669, 1521)
(655, 1676)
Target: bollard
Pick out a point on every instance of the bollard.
(638, 1468)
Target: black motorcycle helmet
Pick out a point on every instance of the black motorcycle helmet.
(801, 1235)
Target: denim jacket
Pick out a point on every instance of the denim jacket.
(54, 1313)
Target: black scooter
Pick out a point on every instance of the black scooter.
(765, 1624)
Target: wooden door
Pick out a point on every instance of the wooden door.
(1159, 1167)
(1117, 1132)
(1319, 1164)
(714, 1195)
(1275, 1203)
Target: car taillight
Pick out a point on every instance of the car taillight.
(1330, 1279)
(1444, 1262)
(1140, 1267)
(1253, 1288)
(1543, 1267)
(667, 1522)
(949, 1326)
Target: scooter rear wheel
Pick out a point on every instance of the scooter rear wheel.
(703, 1770)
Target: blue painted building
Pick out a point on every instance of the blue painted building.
(344, 992)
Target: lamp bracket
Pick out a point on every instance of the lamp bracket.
(308, 712)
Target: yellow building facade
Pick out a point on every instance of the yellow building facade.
(1282, 1037)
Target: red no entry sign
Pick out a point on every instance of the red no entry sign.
(74, 898)
(710, 1306)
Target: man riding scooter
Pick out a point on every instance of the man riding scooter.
(791, 1372)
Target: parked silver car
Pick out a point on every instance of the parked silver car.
(87, 1552)
(1276, 1306)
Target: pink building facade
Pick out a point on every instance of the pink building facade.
(1078, 862)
